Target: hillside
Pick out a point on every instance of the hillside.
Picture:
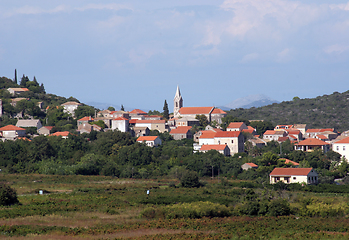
(320, 112)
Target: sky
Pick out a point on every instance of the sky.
(136, 52)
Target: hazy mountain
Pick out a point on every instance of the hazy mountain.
(257, 100)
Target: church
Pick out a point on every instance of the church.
(185, 116)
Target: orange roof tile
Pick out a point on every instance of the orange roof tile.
(228, 134)
(218, 111)
(252, 164)
(63, 134)
(292, 136)
(207, 134)
(151, 121)
(218, 147)
(181, 130)
(269, 132)
(344, 140)
(290, 172)
(71, 103)
(86, 119)
(288, 161)
(146, 138)
(235, 124)
(282, 139)
(48, 127)
(322, 137)
(132, 121)
(121, 119)
(312, 142)
(138, 111)
(195, 110)
(248, 130)
(11, 128)
(293, 131)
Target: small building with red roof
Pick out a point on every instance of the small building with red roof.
(310, 144)
(342, 147)
(11, 132)
(221, 148)
(45, 130)
(159, 125)
(288, 161)
(15, 91)
(150, 141)
(181, 133)
(64, 134)
(293, 175)
(274, 135)
(236, 126)
(121, 124)
(247, 166)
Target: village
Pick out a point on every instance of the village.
(180, 125)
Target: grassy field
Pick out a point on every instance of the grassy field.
(98, 207)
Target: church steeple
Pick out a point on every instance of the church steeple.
(177, 103)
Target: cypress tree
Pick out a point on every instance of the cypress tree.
(15, 80)
(166, 113)
(122, 108)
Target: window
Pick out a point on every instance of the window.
(287, 179)
(232, 141)
(277, 179)
(337, 148)
(294, 178)
(343, 148)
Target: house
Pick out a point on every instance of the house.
(311, 133)
(159, 125)
(217, 115)
(29, 123)
(198, 134)
(104, 113)
(273, 135)
(250, 130)
(88, 128)
(257, 142)
(191, 112)
(247, 166)
(181, 133)
(116, 114)
(295, 134)
(150, 141)
(282, 127)
(70, 107)
(11, 132)
(310, 144)
(293, 175)
(186, 122)
(152, 117)
(236, 126)
(140, 131)
(137, 114)
(64, 134)
(87, 119)
(15, 91)
(45, 130)
(221, 148)
(302, 127)
(14, 101)
(121, 124)
(288, 161)
(234, 140)
(342, 147)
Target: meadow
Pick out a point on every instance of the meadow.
(102, 207)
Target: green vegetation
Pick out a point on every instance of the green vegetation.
(8, 195)
(321, 112)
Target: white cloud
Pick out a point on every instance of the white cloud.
(112, 6)
(249, 57)
(336, 49)
(284, 55)
(111, 22)
(142, 56)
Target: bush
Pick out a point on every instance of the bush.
(8, 195)
(190, 179)
(279, 207)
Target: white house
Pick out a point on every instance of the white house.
(234, 140)
(120, 123)
(293, 175)
(29, 123)
(221, 148)
(11, 132)
(70, 107)
(150, 141)
(310, 144)
(236, 126)
(14, 91)
(342, 147)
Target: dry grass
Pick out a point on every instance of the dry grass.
(73, 220)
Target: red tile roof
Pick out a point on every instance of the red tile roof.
(11, 128)
(133, 121)
(63, 134)
(228, 134)
(235, 124)
(138, 111)
(195, 110)
(252, 164)
(282, 139)
(293, 131)
(290, 172)
(121, 119)
(248, 130)
(288, 161)
(86, 119)
(218, 111)
(312, 142)
(269, 132)
(322, 137)
(71, 103)
(320, 130)
(48, 127)
(218, 147)
(208, 134)
(181, 130)
(151, 121)
(152, 116)
(146, 138)
(344, 140)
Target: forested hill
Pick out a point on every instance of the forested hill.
(327, 111)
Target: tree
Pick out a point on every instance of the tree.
(15, 79)
(190, 179)
(122, 108)
(202, 120)
(111, 108)
(8, 195)
(166, 113)
(24, 81)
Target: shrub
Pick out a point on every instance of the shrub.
(279, 207)
(8, 195)
(190, 179)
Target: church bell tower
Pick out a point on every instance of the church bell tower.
(177, 103)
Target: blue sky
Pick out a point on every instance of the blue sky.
(135, 53)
